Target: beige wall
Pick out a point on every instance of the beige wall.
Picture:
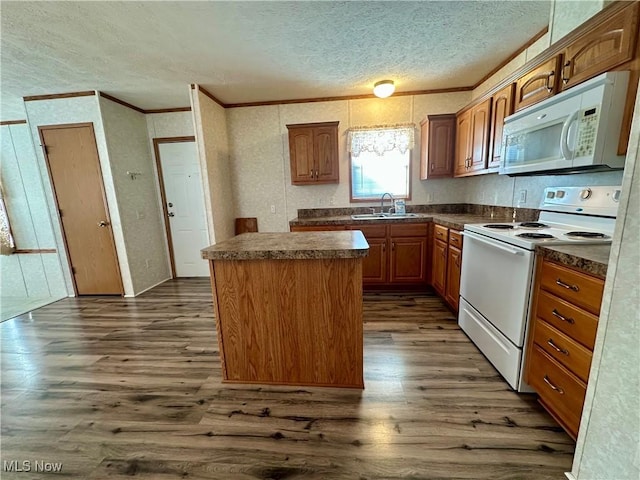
(210, 121)
(258, 140)
(138, 199)
(32, 275)
(568, 14)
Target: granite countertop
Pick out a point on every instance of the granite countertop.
(289, 246)
(591, 259)
(450, 220)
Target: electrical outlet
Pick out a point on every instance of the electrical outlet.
(523, 196)
(139, 215)
(273, 209)
(332, 201)
(429, 197)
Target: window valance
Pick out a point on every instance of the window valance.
(381, 138)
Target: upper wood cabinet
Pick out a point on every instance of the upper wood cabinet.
(463, 142)
(502, 108)
(610, 44)
(437, 146)
(539, 84)
(472, 144)
(313, 152)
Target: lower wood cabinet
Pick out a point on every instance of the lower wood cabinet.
(454, 264)
(408, 255)
(439, 266)
(446, 264)
(397, 252)
(561, 337)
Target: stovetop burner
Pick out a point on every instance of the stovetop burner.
(535, 236)
(499, 226)
(586, 235)
(533, 225)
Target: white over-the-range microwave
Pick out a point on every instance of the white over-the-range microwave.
(574, 131)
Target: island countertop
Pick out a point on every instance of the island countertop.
(289, 246)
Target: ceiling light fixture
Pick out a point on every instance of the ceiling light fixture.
(384, 88)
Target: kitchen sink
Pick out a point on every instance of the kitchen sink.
(382, 216)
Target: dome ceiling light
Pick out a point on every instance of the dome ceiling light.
(384, 88)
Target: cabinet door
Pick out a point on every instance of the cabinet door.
(603, 48)
(480, 124)
(325, 146)
(502, 108)
(301, 155)
(463, 142)
(539, 84)
(452, 291)
(437, 142)
(374, 266)
(408, 260)
(439, 266)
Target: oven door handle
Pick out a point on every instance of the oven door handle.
(513, 251)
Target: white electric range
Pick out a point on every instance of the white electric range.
(498, 263)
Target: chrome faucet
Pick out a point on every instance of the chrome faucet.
(382, 202)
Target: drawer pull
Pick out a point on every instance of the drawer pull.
(575, 288)
(556, 348)
(562, 317)
(553, 387)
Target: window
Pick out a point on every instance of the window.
(7, 245)
(380, 161)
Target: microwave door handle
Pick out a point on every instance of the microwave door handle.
(564, 136)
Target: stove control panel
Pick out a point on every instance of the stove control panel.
(588, 200)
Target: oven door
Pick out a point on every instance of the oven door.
(496, 281)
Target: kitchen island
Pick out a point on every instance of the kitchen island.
(288, 307)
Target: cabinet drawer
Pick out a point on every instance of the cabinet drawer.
(559, 390)
(409, 230)
(568, 352)
(575, 322)
(441, 233)
(576, 287)
(455, 238)
(371, 231)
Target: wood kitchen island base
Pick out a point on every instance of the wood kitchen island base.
(290, 319)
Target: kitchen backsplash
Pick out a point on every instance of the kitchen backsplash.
(521, 214)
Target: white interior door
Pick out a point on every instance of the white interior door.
(185, 206)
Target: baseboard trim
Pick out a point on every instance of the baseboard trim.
(570, 476)
(147, 289)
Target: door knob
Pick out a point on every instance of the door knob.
(102, 223)
(171, 214)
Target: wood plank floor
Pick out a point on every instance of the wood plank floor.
(115, 388)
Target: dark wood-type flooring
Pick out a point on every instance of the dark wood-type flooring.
(120, 388)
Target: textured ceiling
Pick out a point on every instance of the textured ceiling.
(147, 53)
